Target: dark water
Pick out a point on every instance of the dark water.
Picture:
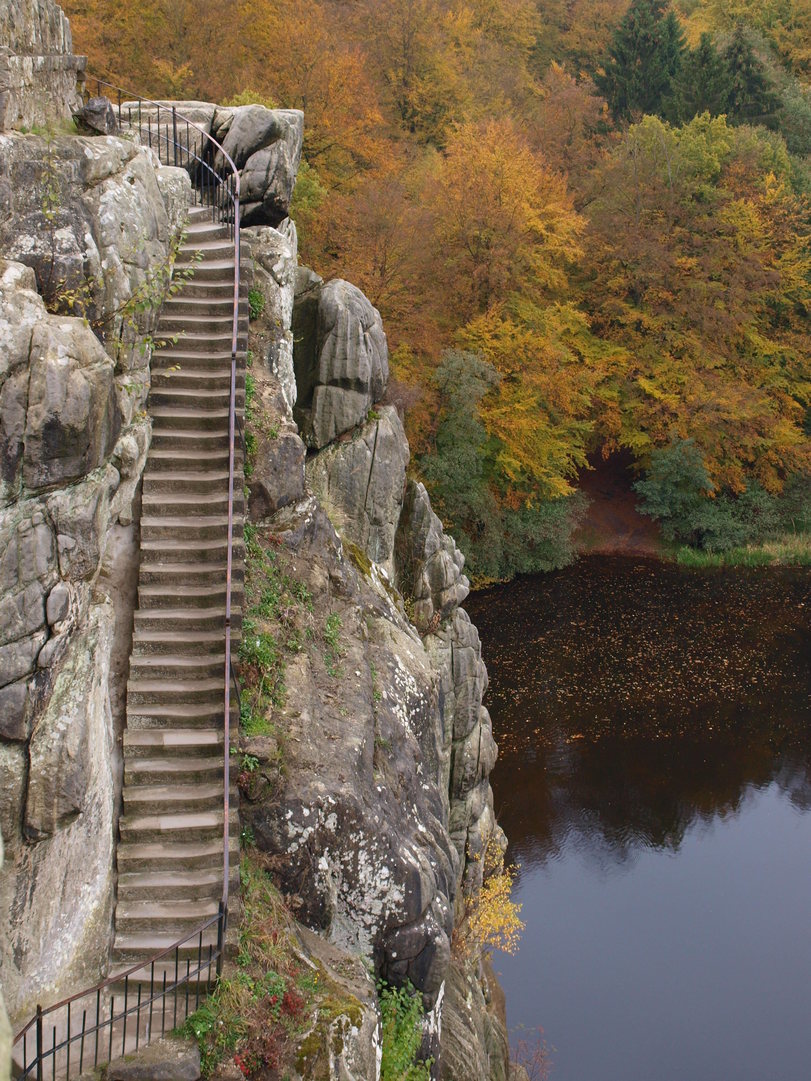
(655, 783)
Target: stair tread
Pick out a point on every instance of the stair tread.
(158, 909)
(177, 820)
(173, 737)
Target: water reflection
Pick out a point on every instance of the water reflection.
(632, 701)
(654, 778)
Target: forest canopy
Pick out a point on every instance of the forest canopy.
(585, 223)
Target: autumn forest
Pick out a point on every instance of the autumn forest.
(585, 224)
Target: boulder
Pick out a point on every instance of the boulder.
(97, 117)
(170, 1059)
(360, 484)
(341, 359)
(73, 419)
(474, 1036)
(278, 473)
(105, 234)
(265, 145)
(81, 516)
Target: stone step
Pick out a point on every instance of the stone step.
(215, 266)
(181, 397)
(208, 715)
(189, 490)
(204, 228)
(179, 357)
(183, 596)
(188, 442)
(151, 770)
(191, 418)
(180, 636)
(162, 798)
(173, 742)
(217, 322)
(168, 691)
(135, 947)
(201, 527)
(171, 716)
(161, 500)
(216, 305)
(196, 379)
(211, 290)
(204, 551)
(217, 247)
(174, 885)
(185, 826)
(181, 667)
(194, 625)
(175, 856)
(190, 464)
(190, 574)
(174, 917)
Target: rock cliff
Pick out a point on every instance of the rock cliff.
(371, 798)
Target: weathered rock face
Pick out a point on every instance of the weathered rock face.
(360, 484)
(89, 216)
(73, 442)
(274, 256)
(474, 1033)
(38, 71)
(341, 358)
(275, 471)
(374, 880)
(405, 728)
(428, 565)
(5, 1027)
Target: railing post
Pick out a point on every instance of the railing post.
(174, 131)
(40, 1047)
(220, 938)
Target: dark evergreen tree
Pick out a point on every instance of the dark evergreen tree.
(751, 97)
(643, 60)
(703, 85)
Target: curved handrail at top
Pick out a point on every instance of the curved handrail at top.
(216, 190)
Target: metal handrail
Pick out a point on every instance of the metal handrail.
(221, 191)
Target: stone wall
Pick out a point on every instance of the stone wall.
(39, 75)
(74, 436)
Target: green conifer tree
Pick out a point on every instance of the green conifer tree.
(703, 86)
(643, 60)
(751, 98)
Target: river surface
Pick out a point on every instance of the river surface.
(654, 780)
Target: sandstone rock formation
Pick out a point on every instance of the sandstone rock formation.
(341, 358)
(399, 725)
(73, 441)
(38, 71)
(5, 1027)
(360, 484)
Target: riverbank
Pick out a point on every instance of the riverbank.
(790, 550)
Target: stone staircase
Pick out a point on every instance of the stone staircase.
(170, 852)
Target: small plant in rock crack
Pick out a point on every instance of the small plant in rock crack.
(256, 304)
(332, 638)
